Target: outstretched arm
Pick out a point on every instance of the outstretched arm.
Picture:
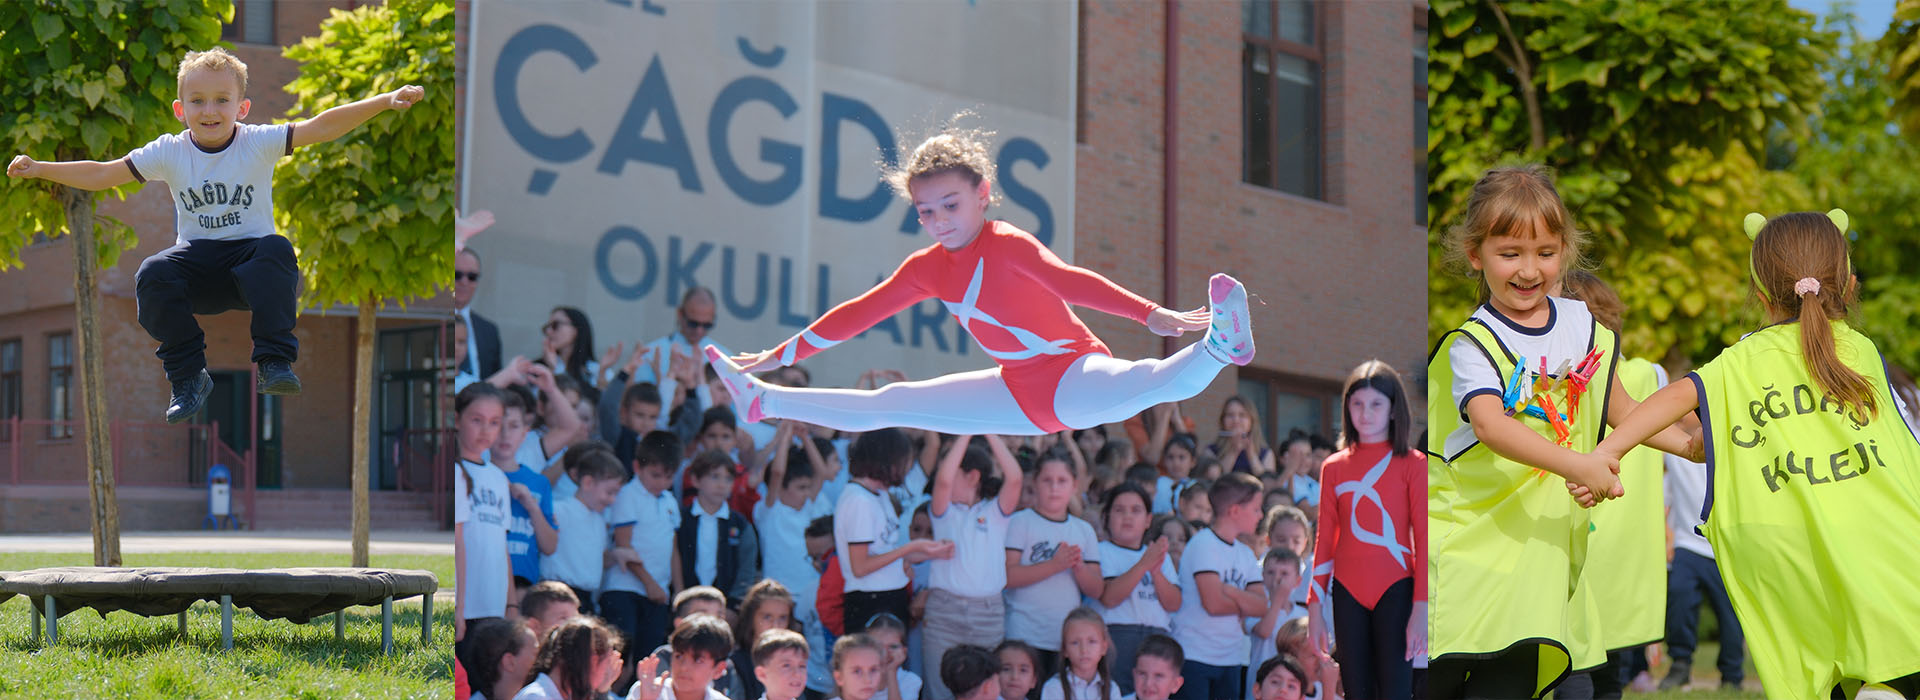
(1507, 437)
(1671, 438)
(850, 318)
(84, 174)
(336, 122)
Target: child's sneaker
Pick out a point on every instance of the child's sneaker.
(276, 377)
(746, 390)
(1231, 336)
(189, 397)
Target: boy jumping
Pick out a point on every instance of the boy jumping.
(227, 256)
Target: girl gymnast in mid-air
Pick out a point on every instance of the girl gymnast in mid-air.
(1013, 295)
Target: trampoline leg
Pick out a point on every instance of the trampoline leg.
(426, 619)
(226, 622)
(53, 623)
(183, 624)
(386, 626)
(36, 622)
(339, 626)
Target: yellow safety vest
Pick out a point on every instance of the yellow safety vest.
(1626, 571)
(1506, 541)
(1813, 513)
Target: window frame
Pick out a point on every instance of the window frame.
(1315, 55)
(60, 386)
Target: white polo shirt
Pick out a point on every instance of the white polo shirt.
(979, 536)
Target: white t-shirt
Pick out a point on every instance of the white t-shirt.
(1215, 640)
(1164, 491)
(979, 536)
(1035, 612)
(783, 546)
(575, 560)
(1562, 341)
(1088, 689)
(654, 518)
(542, 688)
(1263, 647)
(1143, 606)
(863, 516)
(1306, 490)
(909, 686)
(706, 542)
(484, 514)
(218, 195)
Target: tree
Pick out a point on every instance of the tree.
(371, 214)
(90, 80)
(1654, 116)
(1902, 44)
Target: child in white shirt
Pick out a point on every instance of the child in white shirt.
(972, 508)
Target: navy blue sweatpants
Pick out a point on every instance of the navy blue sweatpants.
(211, 277)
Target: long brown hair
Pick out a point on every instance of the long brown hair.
(1103, 670)
(1254, 434)
(569, 649)
(1378, 376)
(1802, 245)
(1510, 201)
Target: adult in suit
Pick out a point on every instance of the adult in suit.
(483, 337)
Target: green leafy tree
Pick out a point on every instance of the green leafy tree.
(371, 214)
(90, 80)
(1654, 116)
(1902, 44)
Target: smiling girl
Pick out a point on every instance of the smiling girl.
(1506, 541)
(1015, 297)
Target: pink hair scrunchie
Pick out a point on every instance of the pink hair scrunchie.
(1806, 285)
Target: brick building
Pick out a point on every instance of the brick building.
(1323, 218)
(1298, 164)
(301, 444)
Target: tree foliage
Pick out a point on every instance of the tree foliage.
(1654, 116)
(89, 80)
(371, 214)
(1902, 46)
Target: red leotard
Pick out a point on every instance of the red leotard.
(1010, 292)
(1367, 568)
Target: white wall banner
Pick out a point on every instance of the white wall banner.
(632, 149)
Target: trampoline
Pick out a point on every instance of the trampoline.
(297, 595)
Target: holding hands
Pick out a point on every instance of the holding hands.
(1595, 478)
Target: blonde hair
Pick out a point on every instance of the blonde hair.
(1800, 245)
(215, 59)
(951, 150)
(1509, 201)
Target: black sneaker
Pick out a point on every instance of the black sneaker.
(276, 377)
(189, 397)
(1678, 676)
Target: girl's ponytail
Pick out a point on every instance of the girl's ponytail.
(1817, 345)
(1800, 267)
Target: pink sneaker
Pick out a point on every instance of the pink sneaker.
(1231, 336)
(746, 390)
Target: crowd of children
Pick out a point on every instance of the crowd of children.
(893, 563)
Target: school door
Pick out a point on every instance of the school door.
(408, 385)
(233, 395)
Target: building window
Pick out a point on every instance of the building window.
(9, 386)
(60, 385)
(1420, 116)
(252, 23)
(1285, 404)
(1281, 84)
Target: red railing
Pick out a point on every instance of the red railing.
(31, 444)
(424, 464)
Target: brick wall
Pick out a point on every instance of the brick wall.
(1342, 280)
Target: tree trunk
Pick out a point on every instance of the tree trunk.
(363, 333)
(93, 392)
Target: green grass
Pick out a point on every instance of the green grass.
(129, 656)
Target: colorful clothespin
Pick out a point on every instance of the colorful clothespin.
(1518, 389)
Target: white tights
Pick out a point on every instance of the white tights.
(1095, 390)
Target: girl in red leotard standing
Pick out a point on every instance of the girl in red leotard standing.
(1372, 543)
